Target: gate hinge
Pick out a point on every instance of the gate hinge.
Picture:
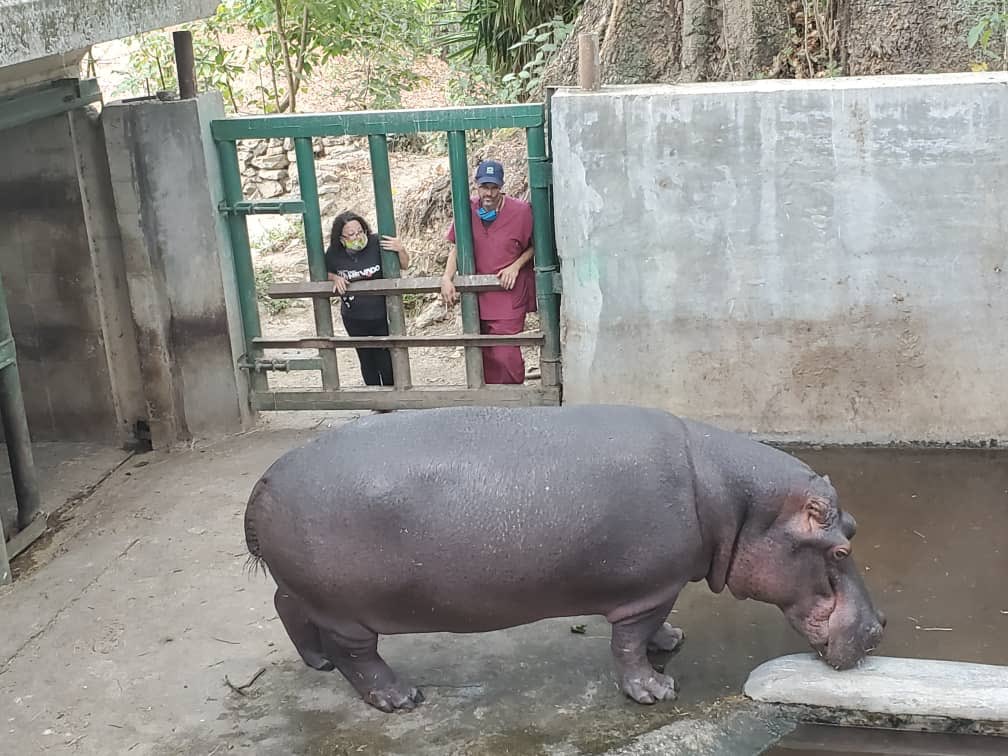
(262, 364)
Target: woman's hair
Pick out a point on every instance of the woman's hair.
(341, 220)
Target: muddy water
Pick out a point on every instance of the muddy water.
(811, 740)
(932, 542)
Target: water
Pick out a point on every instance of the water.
(818, 740)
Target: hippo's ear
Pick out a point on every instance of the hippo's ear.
(826, 478)
(818, 512)
(817, 524)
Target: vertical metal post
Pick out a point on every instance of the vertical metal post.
(316, 254)
(546, 263)
(381, 177)
(464, 244)
(241, 255)
(15, 426)
(185, 64)
(5, 573)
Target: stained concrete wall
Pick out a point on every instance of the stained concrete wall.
(178, 271)
(62, 306)
(821, 261)
(36, 29)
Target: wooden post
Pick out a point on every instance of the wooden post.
(588, 61)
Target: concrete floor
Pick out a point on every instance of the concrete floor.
(122, 629)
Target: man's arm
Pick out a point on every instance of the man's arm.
(509, 275)
(448, 293)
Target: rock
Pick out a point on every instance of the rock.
(271, 162)
(432, 312)
(270, 189)
(886, 685)
(259, 147)
(328, 186)
(278, 175)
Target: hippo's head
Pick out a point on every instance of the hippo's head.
(797, 554)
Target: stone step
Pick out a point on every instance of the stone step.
(886, 685)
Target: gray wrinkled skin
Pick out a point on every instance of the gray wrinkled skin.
(474, 519)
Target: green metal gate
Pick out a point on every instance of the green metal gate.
(376, 126)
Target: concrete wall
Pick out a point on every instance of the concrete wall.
(35, 29)
(60, 305)
(177, 266)
(820, 261)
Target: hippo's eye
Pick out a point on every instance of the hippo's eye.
(841, 552)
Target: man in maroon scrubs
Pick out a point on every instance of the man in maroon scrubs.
(502, 246)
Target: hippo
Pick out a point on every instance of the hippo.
(472, 519)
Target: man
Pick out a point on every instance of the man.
(502, 245)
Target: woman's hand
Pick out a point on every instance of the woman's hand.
(339, 284)
(393, 244)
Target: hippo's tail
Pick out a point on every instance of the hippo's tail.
(255, 561)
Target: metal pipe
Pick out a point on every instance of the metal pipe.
(315, 245)
(15, 425)
(185, 64)
(588, 60)
(5, 573)
(458, 162)
(381, 178)
(546, 262)
(241, 258)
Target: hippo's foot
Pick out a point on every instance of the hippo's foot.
(632, 637)
(395, 697)
(354, 650)
(649, 687)
(667, 639)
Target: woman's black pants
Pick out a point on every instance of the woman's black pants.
(375, 364)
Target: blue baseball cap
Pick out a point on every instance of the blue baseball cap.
(490, 172)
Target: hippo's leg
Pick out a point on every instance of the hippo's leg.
(638, 679)
(302, 631)
(667, 639)
(354, 650)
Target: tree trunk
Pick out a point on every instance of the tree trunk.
(647, 41)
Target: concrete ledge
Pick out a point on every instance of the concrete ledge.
(885, 685)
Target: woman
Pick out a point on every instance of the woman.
(354, 254)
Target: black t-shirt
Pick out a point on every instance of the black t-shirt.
(358, 266)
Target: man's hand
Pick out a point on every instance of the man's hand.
(449, 295)
(507, 276)
(339, 284)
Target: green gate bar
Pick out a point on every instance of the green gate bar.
(546, 263)
(289, 125)
(381, 178)
(308, 182)
(241, 251)
(458, 163)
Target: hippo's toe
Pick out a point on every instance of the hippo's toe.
(648, 690)
(395, 698)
